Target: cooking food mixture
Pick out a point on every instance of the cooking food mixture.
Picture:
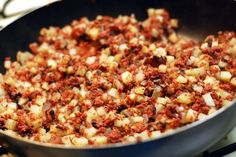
(115, 80)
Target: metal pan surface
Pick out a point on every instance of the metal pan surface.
(198, 18)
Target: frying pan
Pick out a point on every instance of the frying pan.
(197, 18)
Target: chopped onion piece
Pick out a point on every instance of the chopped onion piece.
(208, 99)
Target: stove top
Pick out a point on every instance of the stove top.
(227, 141)
(10, 10)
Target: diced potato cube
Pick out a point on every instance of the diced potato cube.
(203, 63)
(113, 65)
(185, 98)
(7, 64)
(181, 79)
(201, 116)
(162, 68)
(10, 81)
(210, 80)
(80, 71)
(153, 12)
(192, 60)
(212, 110)
(159, 107)
(37, 123)
(40, 100)
(139, 90)
(52, 63)
(197, 88)
(61, 117)
(110, 115)
(113, 92)
(99, 139)
(93, 33)
(137, 119)
(109, 60)
(233, 81)
(1, 79)
(208, 99)
(191, 79)
(118, 84)
(155, 134)
(140, 98)
(3, 107)
(195, 71)
(133, 40)
(73, 102)
(36, 110)
(173, 38)
(174, 23)
(76, 90)
(127, 77)
(131, 139)
(10, 124)
(152, 47)
(67, 140)
(170, 59)
(234, 51)
(118, 57)
(179, 108)
(89, 75)
(222, 64)
(70, 70)
(90, 132)
(46, 138)
(12, 105)
(139, 76)
(103, 58)
(143, 135)
(133, 29)
(225, 76)
(101, 111)
(160, 52)
(91, 60)
(23, 57)
(80, 142)
(91, 114)
(157, 91)
(196, 52)
(191, 116)
(106, 51)
(123, 47)
(232, 42)
(45, 86)
(204, 46)
(159, 11)
(55, 97)
(155, 33)
(132, 96)
(162, 100)
(222, 93)
(121, 122)
(73, 52)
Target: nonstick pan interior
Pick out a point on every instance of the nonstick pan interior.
(198, 18)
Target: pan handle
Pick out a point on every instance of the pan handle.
(221, 152)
